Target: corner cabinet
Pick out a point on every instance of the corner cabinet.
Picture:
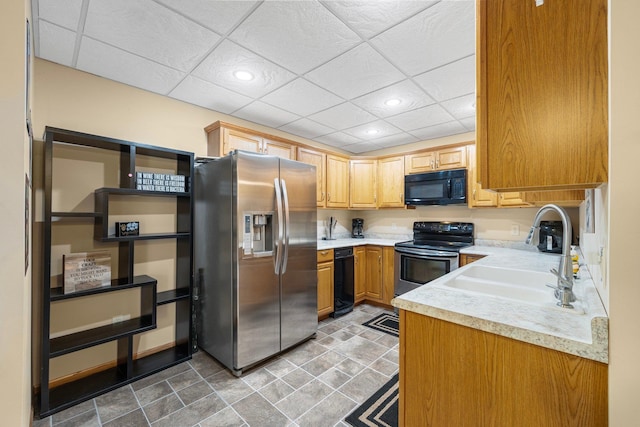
(542, 90)
(141, 321)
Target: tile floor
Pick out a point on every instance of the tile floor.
(315, 384)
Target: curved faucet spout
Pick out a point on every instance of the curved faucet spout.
(565, 269)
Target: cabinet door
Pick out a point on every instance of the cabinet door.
(478, 197)
(237, 140)
(362, 188)
(569, 198)
(374, 273)
(337, 182)
(451, 158)
(542, 94)
(325, 288)
(420, 162)
(360, 272)
(511, 199)
(388, 285)
(317, 159)
(391, 182)
(279, 149)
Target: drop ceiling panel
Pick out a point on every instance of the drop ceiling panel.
(343, 116)
(56, 44)
(302, 97)
(371, 17)
(150, 30)
(461, 107)
(362, 147)
(227, 58)
(409, 95)
(219, 16)
(415, 119)
(306, 128)
(394, 140)
(441, 34)
(359, 71)
(115, 64)
(321, 69)
(196, 91)
(265, 114)
(65, 13)
(450, 81)
(380, 127)
(438, 131)
(299, 35)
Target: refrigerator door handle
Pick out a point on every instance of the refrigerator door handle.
(278, 246)
(287, 225)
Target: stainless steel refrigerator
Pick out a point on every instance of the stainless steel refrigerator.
(255, 236)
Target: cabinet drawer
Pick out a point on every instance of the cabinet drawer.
(325, 255)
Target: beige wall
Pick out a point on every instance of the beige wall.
(15, 297)
(624, 210)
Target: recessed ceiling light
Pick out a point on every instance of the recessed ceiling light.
(243, 75)
(372, 131)
(392, 102)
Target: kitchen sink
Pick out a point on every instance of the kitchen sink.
(520, 285)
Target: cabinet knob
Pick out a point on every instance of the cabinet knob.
(322, 197)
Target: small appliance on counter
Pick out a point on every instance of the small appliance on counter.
(357, 228)
(550, 237)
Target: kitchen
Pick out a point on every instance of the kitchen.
(153, 124)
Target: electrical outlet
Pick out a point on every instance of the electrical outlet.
(515, 230)
(394, 226)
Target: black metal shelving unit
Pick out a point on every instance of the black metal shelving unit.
(127, 368)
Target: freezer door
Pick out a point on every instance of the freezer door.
(299, 291)
(257, 285)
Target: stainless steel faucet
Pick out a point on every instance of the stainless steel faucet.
(564, 273)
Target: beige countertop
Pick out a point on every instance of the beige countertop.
(583, 332)
(343, 243)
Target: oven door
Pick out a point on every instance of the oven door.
(416, 267)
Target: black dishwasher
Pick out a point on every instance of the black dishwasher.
(342, 281)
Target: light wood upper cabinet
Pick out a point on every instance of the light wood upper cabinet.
(223, 138)
(279, 149)
(542, 94)
(391, 182)
(337, 182)
(362, 183)
(511, 199)
(317, 159)
(232, 139)
(477, 196)
(441, 159)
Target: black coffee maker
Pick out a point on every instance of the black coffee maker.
(550, 237)
(357, 225)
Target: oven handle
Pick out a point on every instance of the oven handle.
(422, 253)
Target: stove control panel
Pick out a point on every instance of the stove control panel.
(464, 228)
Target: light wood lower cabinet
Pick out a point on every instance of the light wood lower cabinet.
(468, 259)
(452, 375)
(374, 272)
(325, 282)
(359, 273)
(379, 274)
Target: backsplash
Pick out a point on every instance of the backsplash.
(594, 245)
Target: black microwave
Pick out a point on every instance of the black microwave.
(436, 188)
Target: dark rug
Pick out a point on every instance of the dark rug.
(380, 410)
(386, 322)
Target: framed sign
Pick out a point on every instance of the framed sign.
(86, 270)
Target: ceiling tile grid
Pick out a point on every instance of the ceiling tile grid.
(358, 75)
